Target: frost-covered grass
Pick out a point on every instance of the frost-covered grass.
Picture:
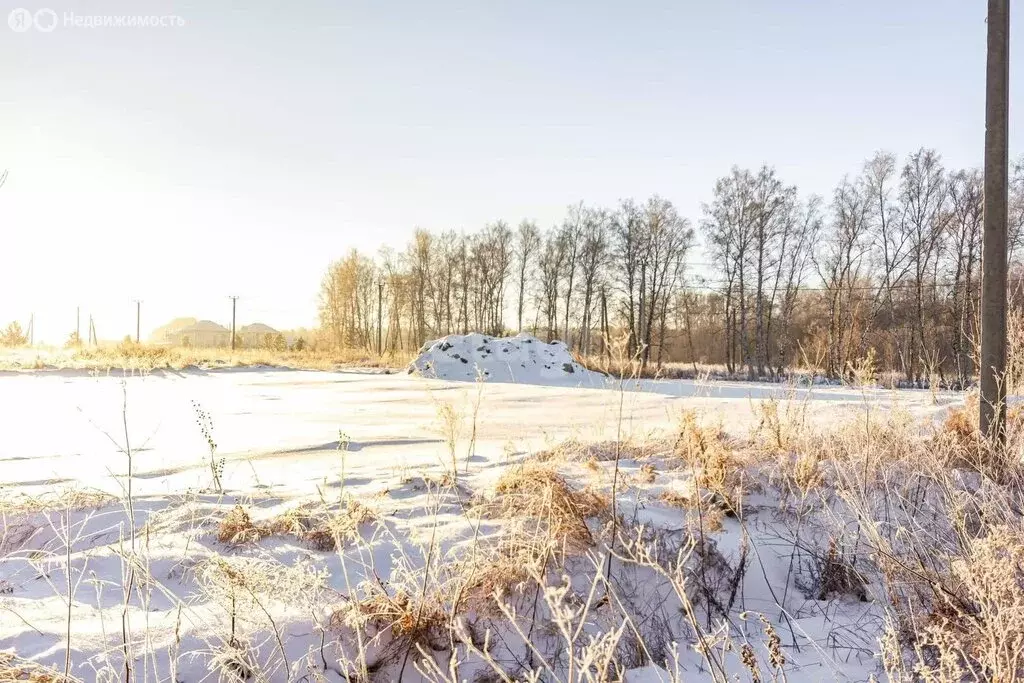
(371, 527)
(132, 357)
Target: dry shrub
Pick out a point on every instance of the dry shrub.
(836, 576)
(709, 516)
(781, 423)
(961, 425)
(410, 618)
(75, 500)
(717, 471)
(322, 528)
(961, 441)
(604, 451)
(260, 577)
(806, 472)
(13, 668)
(237, 528)
(508, 566)
(233, 661)
(534, 492)
(647, 474)
(975, 630)
(317, 525)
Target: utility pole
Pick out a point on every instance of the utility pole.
(992, 406)
(234, 302)
(31, 329)
(380, 316)
(92, 332)
(138, 317)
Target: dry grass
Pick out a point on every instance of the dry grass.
(237, 528)
(320, 526)
(711, 511)
(147, 358)
(716, 466)
(403, 615)
(12, 668)
(535, 494)
(919, 520)
(69, 499)
(574, 450)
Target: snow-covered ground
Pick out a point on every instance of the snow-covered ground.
(67, 430)
(288, 437)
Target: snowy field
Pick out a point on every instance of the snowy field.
(287, 438)
(62, 430)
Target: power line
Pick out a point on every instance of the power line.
(711, 286)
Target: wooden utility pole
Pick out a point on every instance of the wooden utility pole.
(138, 317)
(380, 316)
(992, 406)
(234, 302)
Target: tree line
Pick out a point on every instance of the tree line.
(887, 267)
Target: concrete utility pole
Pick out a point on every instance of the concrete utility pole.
(234, 302)
(992, 406)
(380, 315)
(138, 317)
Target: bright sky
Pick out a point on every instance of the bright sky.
(242, 152)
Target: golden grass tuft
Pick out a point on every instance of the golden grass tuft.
(574, 450)
(710, 516)
(716, 468)
(323, 528)
(535, 492)
(237, 528)
(975, 629)
(70, 499)
(13, 668)
(409, 618)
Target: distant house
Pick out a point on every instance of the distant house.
(192, 332)
(255, 335)
(206, 333)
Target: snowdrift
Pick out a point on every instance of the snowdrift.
(523, 359)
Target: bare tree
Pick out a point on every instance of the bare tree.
(551, 263)
(527, 244)
(572, 234)
(727, 229)
(964, 228)
(841, 265)
(628, 228)
(593, 257)
(922, 198)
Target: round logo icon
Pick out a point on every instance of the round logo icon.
(45, 20)
(20, 20)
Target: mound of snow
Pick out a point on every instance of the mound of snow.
(522, 358)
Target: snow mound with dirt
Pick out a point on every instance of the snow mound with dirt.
(523, 359)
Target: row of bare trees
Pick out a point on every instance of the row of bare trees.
(600, 269)
(889, 265)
